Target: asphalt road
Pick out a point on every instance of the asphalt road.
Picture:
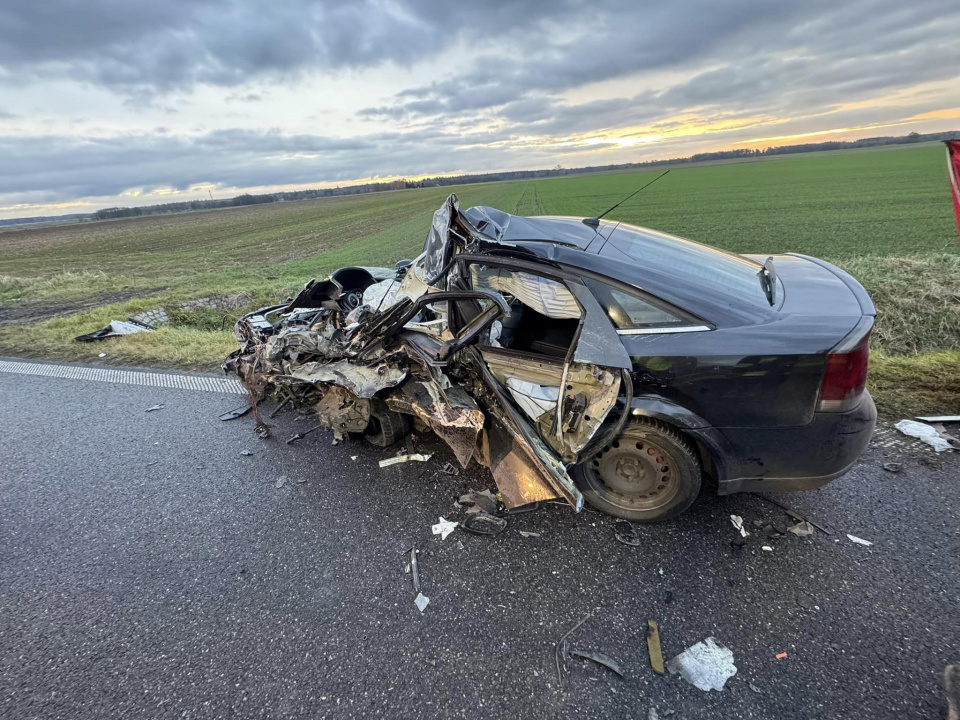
(148, 569)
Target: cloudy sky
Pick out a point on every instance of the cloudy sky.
(113, 102)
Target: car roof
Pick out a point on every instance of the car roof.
(569, 241)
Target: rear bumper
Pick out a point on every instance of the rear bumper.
(798, 458)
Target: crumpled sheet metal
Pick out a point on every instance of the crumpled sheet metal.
(707, 665)
(362, 381)
(451, 414)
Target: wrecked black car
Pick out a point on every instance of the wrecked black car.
(583, 359)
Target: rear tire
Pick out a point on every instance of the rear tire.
(649, 473)
(386, 427)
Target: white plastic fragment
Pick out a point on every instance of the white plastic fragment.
(801, 528)
(707, 665)
(767, 548)
(860, 541)
(421, 602)
(444, 528)
(526, 534)
(738, 524)
(924, 433)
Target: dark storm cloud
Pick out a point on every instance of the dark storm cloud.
(757, 54)
(153, 47)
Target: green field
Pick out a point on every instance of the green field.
(883, 214)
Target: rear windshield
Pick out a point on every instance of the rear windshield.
(708, 265)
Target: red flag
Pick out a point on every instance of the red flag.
(953, 168)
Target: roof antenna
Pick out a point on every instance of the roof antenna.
(594, 222)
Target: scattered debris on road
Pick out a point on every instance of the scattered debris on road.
(301, 436)
(738, 524)
(421, 601)
(859, 541)
(781, 656)
(940, 419)
(795, 515)
(234, 414)
(599, 658)
(280, 482)
(481, 501)
(444, 527)
(450, 469)
(482, 523)
(561, 645)
(767, 548)
(154, 408)
(707, 665)
(409, 457)
(893, 467)
(626, 533)
(753, 687)
(653, 646)
(528, 534)
(415, 569)
(801, 528)
(924, 433)
(246, 452)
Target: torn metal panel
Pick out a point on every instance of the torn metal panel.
(515, 469)
(362, 381)
(341, 410)
(452, 414)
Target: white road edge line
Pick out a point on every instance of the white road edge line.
(126, 377)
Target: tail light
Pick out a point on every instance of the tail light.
(845, 374)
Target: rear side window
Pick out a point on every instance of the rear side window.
(626, 310)
(687, 261)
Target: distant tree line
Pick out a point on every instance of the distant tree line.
(248, 199)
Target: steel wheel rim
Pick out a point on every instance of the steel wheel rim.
(635, 474)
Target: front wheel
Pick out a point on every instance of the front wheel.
(648, 473)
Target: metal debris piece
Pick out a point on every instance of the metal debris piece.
(301, 436)
(653, 646)
(940, 419)
(528, 534)
(924, 433)
(421, 601)
(626, 533)
(234, 414)
(893, 467)
(707, 665)
(418, 457)
(450, 469)
(278, 408)
(116, 328)
(562, 644)
(154, 408)
(246, 452)
(443, 528)
(738, 524)
(482, 523)
(415, 570)
(599, 658)
(801, 528)
(482, 500)
(860, 541)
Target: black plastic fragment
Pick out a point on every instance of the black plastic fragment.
(599, 658)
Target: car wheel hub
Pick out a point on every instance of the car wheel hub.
(635, 473)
